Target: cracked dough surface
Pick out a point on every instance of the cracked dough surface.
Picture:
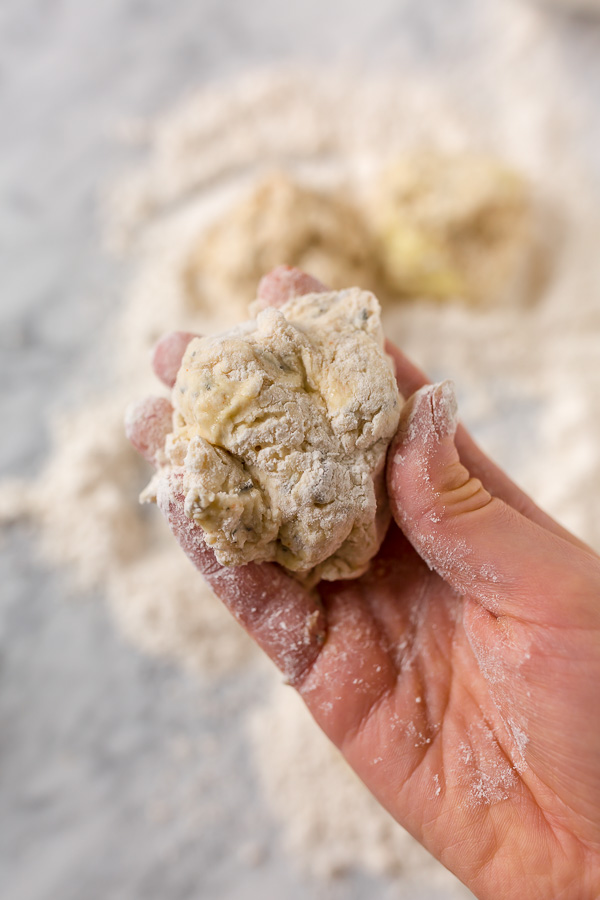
(281, 428)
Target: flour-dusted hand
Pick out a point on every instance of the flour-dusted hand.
(459, 674)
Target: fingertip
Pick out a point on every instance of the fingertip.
(168, 353)
(283, 283)
(147, 423)
(422, 455)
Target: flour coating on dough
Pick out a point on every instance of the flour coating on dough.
(281, 428)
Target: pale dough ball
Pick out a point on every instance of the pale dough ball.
(462, 226)
(281, 428)
(280, 222)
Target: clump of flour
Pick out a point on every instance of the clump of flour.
(528, 381)
(85, 505)
(487, 776)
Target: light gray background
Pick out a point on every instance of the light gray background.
(120, 776)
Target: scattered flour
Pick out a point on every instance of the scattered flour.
(487, 775)
(528, 380)
(85, 505)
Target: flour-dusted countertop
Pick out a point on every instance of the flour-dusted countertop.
(121, 776)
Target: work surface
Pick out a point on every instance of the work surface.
(122, 776)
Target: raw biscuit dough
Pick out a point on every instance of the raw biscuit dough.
(461, 226)
(281, 222)
(281, 428)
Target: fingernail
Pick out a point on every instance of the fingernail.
(430, 411)
(445, 409)
(415, 413)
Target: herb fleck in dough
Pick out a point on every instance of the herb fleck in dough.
(281, 428)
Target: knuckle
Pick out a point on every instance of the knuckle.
(463, 498)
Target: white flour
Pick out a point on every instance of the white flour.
(528, 381)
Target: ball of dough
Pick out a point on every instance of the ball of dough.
(280, 222)
(462, 226)
(281, 428)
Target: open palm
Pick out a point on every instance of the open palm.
(459, 676)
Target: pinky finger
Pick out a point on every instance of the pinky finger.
(147, 424)
(283, 283)
(168, 353)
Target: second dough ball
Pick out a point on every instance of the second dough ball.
(281, 222)
(460, 227)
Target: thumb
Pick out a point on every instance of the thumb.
(480, 545)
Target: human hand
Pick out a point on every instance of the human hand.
(458, 675)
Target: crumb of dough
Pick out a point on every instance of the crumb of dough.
(281, 221)
(281, 428)
(458, 227)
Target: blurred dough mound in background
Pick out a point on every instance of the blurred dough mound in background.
(281, 221)
(281, 432)
(458, 227)
(463, 227)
